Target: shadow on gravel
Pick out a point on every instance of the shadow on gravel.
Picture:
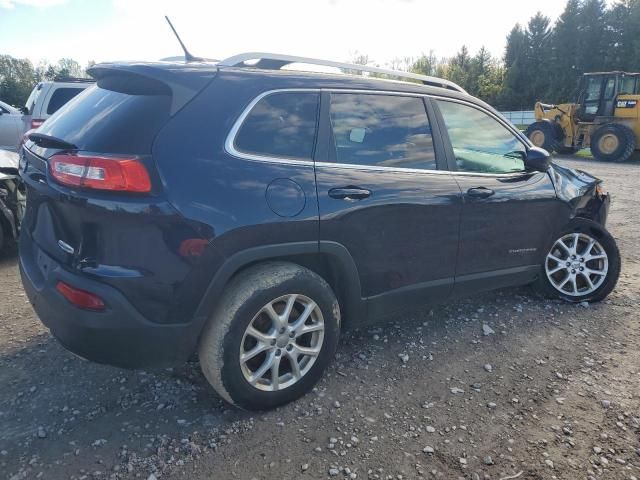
(53, 403)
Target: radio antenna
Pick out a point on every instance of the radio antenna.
(187, 56)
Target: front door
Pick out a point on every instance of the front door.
(508, 212)
(590, 97)
(383, 196)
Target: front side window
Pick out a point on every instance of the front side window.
(381, 130)
(480, 143)
(281, 125)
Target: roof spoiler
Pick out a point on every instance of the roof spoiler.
(150, 79)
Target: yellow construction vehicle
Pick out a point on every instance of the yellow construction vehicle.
(606, 118)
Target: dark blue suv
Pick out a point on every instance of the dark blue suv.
(250, 213)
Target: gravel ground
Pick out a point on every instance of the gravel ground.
(548, 390)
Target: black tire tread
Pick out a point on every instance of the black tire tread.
(241, 289)
(544, 288)
(626, 137)
(553, 134)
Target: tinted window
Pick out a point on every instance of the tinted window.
(281, 125)
(610, 89)
(480, 143)
(627, 85)
(61, 96)
(102, 120)
(381, 130)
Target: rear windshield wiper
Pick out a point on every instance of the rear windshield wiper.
(49, 141)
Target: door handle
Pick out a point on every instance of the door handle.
(480, 192)
(349, 193)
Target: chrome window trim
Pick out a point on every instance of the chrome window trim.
(501, 121)
(381, 168)
(230, 148)
(517, 133)
(229, 144)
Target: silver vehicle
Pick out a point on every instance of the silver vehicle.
(47, 97)
(11, 127)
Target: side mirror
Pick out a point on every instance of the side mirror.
(538, 160)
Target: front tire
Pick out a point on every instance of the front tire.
(583, 264)
(613, 143)
(271, 337)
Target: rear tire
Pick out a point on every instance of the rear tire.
(582, 264)
(613, 142)
(545, 135)
(254, 351)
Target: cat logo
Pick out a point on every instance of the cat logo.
(626, 103)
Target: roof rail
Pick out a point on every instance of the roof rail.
(275, 61)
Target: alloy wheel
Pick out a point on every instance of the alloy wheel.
(282, 342)
(576, 265)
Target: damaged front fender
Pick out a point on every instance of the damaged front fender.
(582, 192)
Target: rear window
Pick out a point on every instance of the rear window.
(281, 125)
(61, 96)
(106, 121)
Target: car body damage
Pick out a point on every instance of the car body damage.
(582, 191)
(12, 197)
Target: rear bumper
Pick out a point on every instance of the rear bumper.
(118, 336)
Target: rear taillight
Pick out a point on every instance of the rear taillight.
(100, 173)
(80, 298)
(35, 123)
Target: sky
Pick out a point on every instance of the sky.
(110, 30)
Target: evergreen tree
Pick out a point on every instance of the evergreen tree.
(514, 79)
(565, 47)
(536, 60)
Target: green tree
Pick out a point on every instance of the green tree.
(17, 78)
(510, 97)
(565, 45)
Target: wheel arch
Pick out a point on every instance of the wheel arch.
(330, 260)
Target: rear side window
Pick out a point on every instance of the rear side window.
(281, 125)
(108, 121)
(381, 130)
(61, 96)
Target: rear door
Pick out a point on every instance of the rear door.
(508, 213)
(383, 195)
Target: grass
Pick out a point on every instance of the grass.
(584, 153)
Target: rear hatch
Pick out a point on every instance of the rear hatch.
(95, 201)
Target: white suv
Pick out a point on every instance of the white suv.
(47, 97)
